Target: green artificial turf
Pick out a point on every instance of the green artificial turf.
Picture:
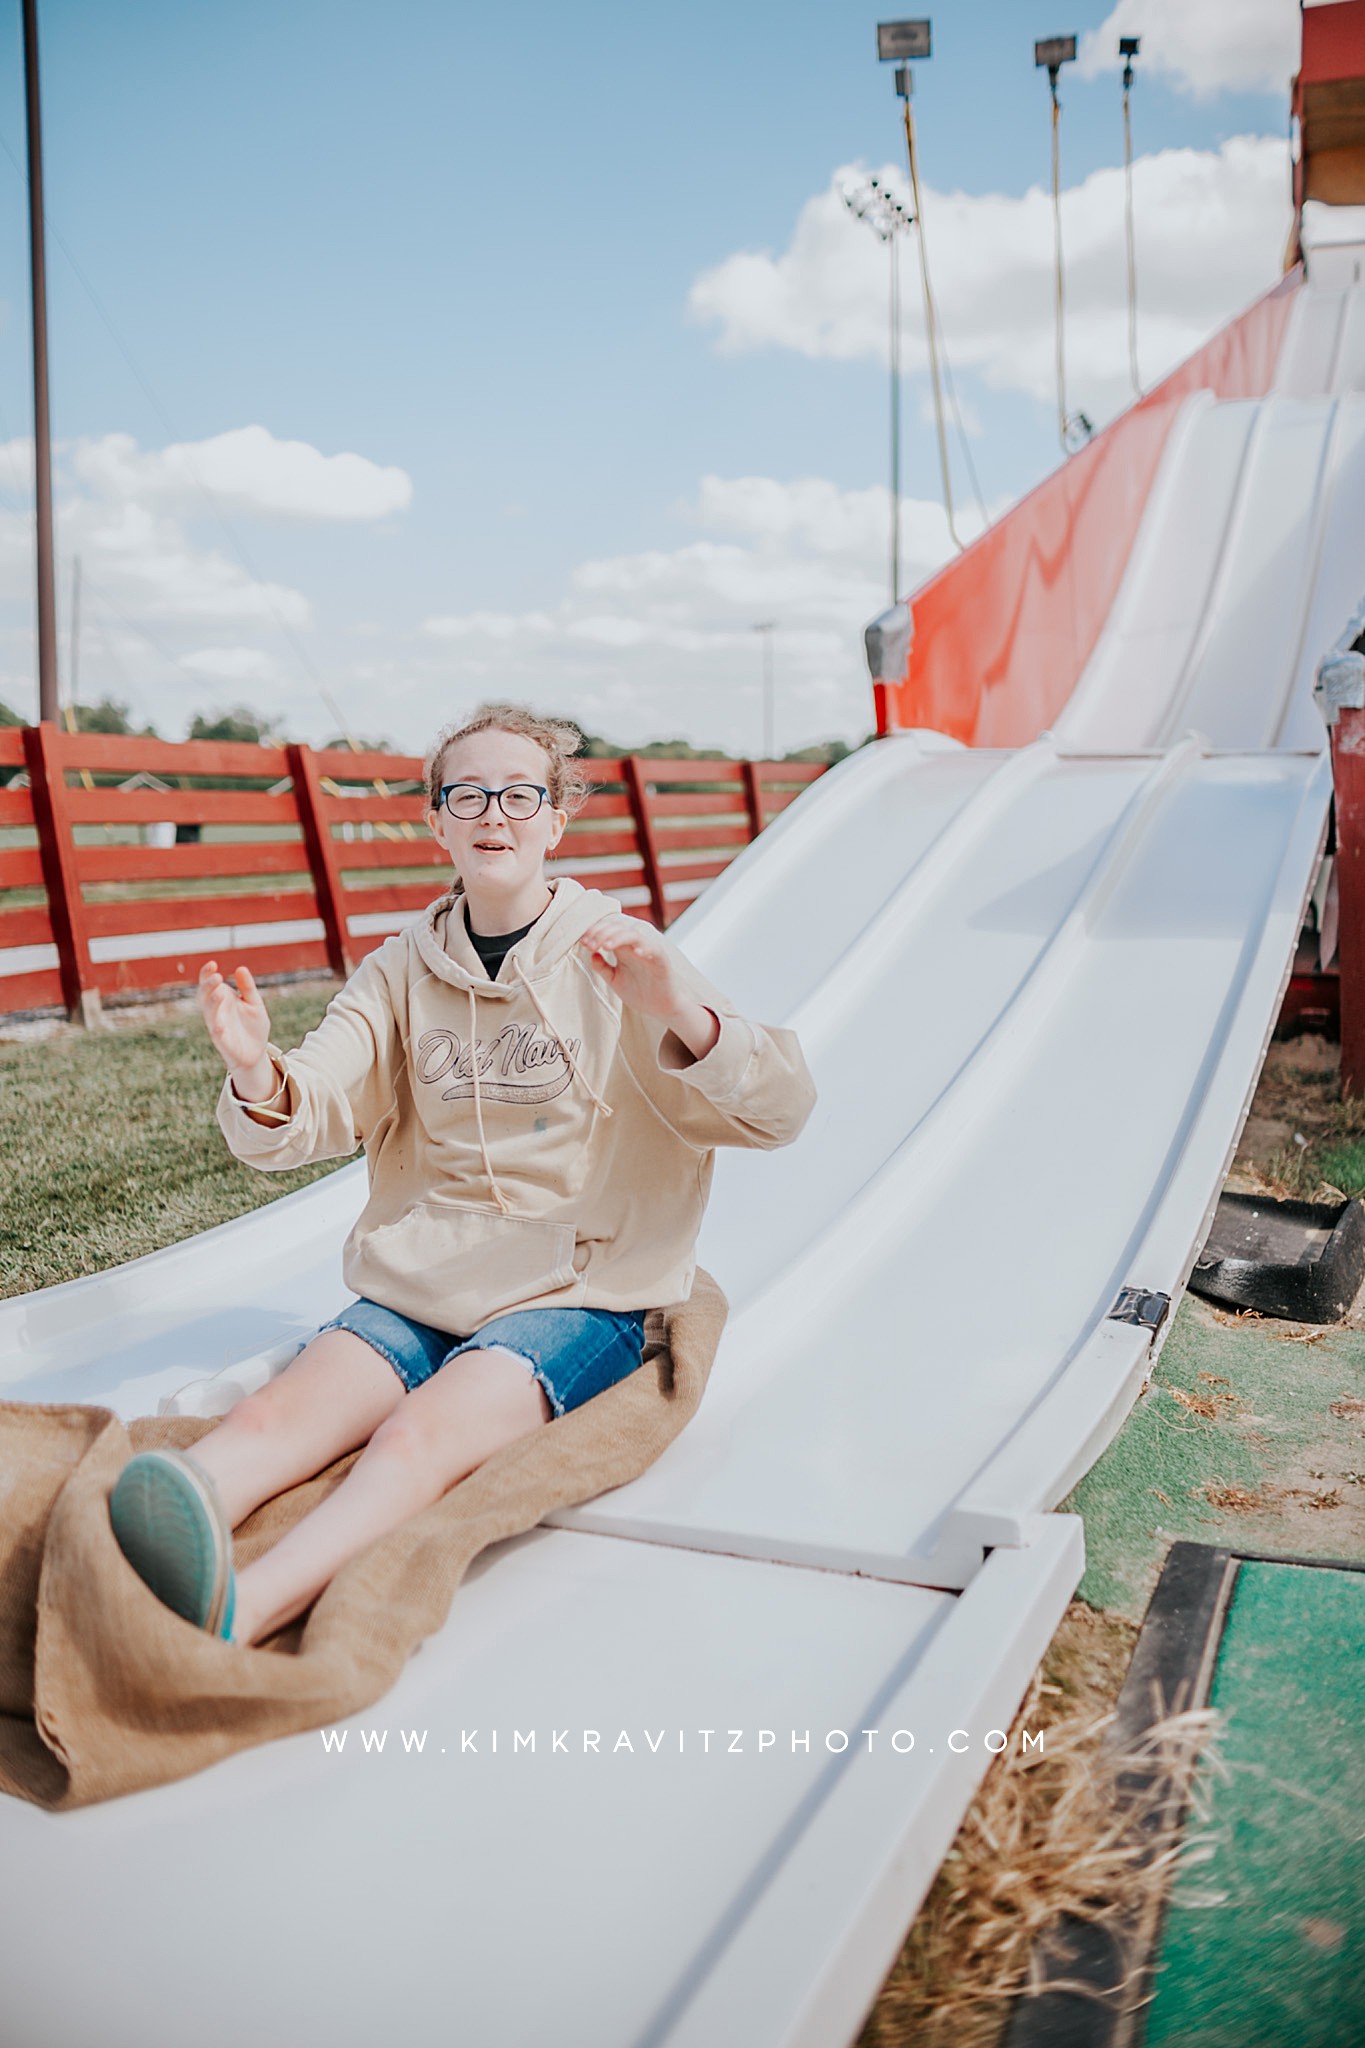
(110, 1146)
(1246, 1472)
(1276, 1956)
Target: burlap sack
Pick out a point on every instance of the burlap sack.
(104, 1690)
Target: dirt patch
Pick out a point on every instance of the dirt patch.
(1238, 1500)
(1300, 1139)
(1297, 1104)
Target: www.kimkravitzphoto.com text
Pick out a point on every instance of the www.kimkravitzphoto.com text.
(760, 1742)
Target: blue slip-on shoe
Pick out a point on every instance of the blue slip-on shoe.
(170, 1525)
(229, 1608)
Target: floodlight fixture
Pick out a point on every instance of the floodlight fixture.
(878, 205)
(896, 39)
(887, 216)
(1128, 49)
(1053, 52)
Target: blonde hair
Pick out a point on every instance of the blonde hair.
(558, 739)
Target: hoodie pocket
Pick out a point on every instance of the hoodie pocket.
(456, 1266)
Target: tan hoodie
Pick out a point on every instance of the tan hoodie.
(566, 1165)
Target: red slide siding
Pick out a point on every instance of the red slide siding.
(1002, 634)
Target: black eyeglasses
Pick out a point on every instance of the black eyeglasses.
(515, 800)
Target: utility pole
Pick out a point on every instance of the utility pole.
(767, 629)
(74, 649)
(42, 435)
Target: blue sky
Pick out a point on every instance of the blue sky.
(471, 245)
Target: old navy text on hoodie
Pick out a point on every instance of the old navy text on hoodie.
(531, 1141)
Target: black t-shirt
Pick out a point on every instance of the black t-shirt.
(493, 950)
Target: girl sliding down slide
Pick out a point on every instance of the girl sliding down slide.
(538, 1081)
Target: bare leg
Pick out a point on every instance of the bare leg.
(440, 1432)
(331, 1398)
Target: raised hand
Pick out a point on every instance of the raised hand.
(235, 1015)
(632, 958)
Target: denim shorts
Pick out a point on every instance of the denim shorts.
(574, 1352)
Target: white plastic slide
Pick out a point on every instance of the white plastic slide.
(1035, 989)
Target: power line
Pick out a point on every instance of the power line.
(175, 661)
(961, 430)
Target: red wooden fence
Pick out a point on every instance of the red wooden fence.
(301, 859)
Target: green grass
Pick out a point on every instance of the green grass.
(1331, 1160)
(111, 1148)
(1343, 1166)
(1235, 1410)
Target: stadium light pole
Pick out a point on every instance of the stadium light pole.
(898, 42)
(870, 200)
(1073, 429)
(1128, 49)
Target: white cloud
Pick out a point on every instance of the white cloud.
(1202, 46)
(152, 592)
(16, 465)
(147, 565)
(489, 625)
(244, 470)
(972, 423)
(641, 645)
(1210, 231)
(124, 511)
(675, 627)
(232, 664)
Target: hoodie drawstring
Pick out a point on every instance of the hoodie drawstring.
(569, 1060)
(498, 1196)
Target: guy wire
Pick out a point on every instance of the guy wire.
(930, 323)
(1128, 225)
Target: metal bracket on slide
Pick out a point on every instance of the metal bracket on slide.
(1135, 1305)
(887, 643)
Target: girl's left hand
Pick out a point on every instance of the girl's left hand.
(643, 974)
